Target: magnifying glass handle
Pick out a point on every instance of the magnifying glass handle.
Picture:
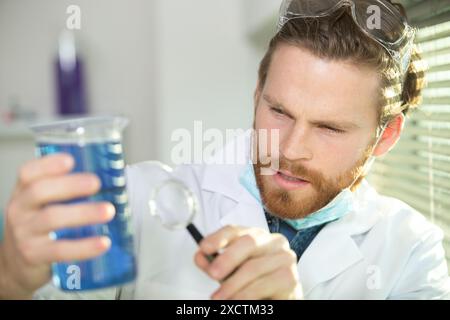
(198, 237)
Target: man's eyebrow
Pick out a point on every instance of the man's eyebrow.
(344, 125)
(278, 105)
(272, 101)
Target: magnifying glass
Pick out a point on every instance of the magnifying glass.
(175, 206)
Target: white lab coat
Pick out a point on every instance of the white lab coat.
(383, 249)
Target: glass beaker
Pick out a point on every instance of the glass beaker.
(96, 146)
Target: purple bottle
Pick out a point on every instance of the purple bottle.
(69, 78)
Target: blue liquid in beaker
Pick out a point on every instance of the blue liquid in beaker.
(117, 265)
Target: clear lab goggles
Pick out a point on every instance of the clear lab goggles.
(392, 32)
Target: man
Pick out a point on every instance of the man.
(312, 227)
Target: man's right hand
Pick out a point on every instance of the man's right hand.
(27, 250)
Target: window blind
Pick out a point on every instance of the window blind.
(417, 170)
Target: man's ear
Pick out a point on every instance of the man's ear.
(390, 136)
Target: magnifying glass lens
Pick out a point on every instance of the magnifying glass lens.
(174, 205)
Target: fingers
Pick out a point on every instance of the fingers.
(56, 189)
(67, 250)
(57, 217)
(51, 165)
(201, 261)
(44, 250)
(218, 240)
(31, 216)
(252, 270)
(280, 284)
(240, 250)
(252, 264)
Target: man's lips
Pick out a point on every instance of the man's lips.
(288, 175)
(288, 181)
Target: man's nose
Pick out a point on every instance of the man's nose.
(296, 144)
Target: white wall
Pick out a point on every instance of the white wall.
(207, 68)
(120, 59)
(162, 63)
(118, 52)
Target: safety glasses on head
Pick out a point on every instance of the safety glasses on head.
(379, 19)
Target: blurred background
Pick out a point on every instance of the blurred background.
(165, 64)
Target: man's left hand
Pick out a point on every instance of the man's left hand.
(252, 264)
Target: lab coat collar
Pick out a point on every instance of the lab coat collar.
(219, 176)
(333, 250)
(244, 209)
(224, 179)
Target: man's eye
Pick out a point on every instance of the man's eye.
(277, 110)
(334, 130)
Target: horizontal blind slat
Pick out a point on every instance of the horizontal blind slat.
(414, 193)
(441, 18)
(439, 84)
(411, 176)
(437, 66)
(437, 100)
(414, 146)
(424, 132)
(416, 162)
(426, 9)
(421, 115)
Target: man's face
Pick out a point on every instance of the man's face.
(326, 115)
